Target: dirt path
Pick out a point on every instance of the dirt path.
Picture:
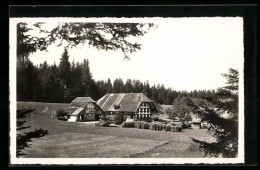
(172, 149)
(146, 151)
(45, 110)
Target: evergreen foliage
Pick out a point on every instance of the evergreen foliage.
(224, 129)
(63, 83)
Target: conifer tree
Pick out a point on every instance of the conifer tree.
(64, 68)
(146, 90)
(128, 86)
(118, 86)
(224, 129)
(109, 86)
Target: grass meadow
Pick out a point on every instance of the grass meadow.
(80, 140)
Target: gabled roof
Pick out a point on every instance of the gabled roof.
(81, 101)
(75, 111)
(128, 102)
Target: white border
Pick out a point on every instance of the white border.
(91, 161)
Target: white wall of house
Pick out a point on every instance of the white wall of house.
(72, 118)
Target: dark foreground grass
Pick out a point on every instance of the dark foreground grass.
(79, 140)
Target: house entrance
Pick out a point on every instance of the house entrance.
(96, 117)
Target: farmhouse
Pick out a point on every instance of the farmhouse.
(83, 109)
(130, 105)
(195, 121)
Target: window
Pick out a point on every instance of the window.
(148, 110)
(144, 110)
(141, 110)
(116, 107)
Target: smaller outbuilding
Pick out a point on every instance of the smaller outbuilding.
(195, 121)
(84, 109)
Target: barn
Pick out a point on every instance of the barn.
(130, 105)
(83, 109)
(195, 122)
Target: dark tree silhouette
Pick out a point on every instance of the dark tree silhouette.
(105, 36)
(22, 140)
(224, 129)
(26, 44)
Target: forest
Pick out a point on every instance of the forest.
(63, 82)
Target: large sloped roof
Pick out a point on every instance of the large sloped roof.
(75, 111)
(128, 102)
(81, 101)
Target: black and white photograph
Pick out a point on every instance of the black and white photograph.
(149, 90)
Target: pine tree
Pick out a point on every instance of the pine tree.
(128, 86)
(224, 129)
(64, 75)
(87, 82)
(137, 86)
(109, 86)
(64, 68)
(118, 86)
(146, 89)
(43, 76)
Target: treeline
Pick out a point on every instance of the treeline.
(66, 81)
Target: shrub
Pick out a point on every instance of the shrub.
(185, 125)
(136, 123)
(146, 125)
(156, 119)
(179, 129)
(168, 127)
(61, 114)
(103, 123)
(159, 126)
(128, 124)
(173, 128)
(173, 124)
(141, 125)
(164, 127)
(154, 126)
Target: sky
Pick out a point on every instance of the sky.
(181, 53)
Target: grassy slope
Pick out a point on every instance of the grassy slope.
(42, 107)
(75, 140)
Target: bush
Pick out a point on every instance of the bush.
(179, 129)
(128, 124)
(153, 126)
(159, 126)
(61, 114)
(164, 127)
(168, 127)
(156, 119)
(146, 125)
(175, 128)
(184, 126)
(136, 123)
(141, 124)
(103, 123)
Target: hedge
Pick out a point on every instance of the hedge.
(128, 124)
(153, 126)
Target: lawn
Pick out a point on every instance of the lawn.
(79, 140)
